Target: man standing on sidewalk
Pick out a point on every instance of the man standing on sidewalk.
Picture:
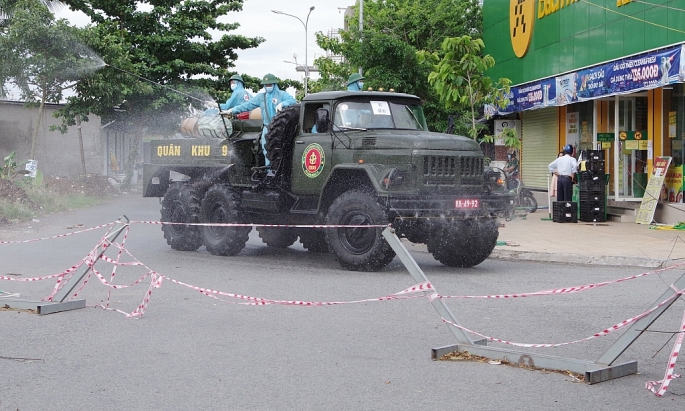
(564, 168)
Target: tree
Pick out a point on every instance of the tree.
(7, 8)
(156, 58)
(39, 56)
(460, 81)
(393, 32)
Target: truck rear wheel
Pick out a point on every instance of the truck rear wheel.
(465, 243)
(181, 204)
(358, 248)
(220, 205)
(313, 240)
(277, 237)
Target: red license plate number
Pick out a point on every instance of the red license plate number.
(467, 203)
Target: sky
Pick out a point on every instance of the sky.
(284, 35)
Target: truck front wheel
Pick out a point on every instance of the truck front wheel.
(464, 243)
(358, 248)
(181, 204)
(220, 205)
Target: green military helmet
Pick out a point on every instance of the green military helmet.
(269, 79)
(237, 77)
(354, 77)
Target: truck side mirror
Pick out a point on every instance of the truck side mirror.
(322, 118)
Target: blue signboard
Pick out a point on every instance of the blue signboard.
(628, 75)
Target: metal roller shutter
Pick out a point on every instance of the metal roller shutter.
(540, 134)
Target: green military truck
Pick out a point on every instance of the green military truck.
(342, 160)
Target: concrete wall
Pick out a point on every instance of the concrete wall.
(56, 153)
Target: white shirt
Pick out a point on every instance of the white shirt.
(564, 166)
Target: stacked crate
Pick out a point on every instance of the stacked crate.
(592, 188)
(565, 212)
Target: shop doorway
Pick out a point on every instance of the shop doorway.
(626, 161)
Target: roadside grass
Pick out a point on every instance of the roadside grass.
(44, 201)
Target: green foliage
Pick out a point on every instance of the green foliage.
(511, 139)
(393, 32)
(167, 42)
(43, 201)
(9, 167)
(7, 8)
(459, 78)
(39, 54)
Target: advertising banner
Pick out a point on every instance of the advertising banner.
(644, 72)
(653, 191)
(674, 184)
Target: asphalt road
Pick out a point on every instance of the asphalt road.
(190, 351)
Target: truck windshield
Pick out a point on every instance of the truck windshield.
(379, 115)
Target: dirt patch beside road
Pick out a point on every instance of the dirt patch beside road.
(90, 185)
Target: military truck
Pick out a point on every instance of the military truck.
(342, 160)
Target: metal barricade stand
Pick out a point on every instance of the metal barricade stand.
(58, 303)
(601, 370)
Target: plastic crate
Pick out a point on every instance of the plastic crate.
(593, 217)
(591, 196)
(592, 155)
(565, 212)
(592, 208)
(592, 185)
(596, 166)
(590, 175)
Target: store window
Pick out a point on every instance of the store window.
(676, 124)
(675, 134)
(579, 125)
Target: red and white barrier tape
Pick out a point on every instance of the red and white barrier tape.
(59, 235)
(156, 282)
(261, 225)
(47, 277)
(602, 333)
(567, 290)
(673, 357)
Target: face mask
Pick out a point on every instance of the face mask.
(509, 157)
(233, 86)
(269, 89)
(361, 85)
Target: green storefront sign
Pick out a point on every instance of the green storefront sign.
(605, 137)
(623, 135)
(536, 39)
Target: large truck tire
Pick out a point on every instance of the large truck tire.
(181, 204)
(313, 240)
(280, 137)
(465, 243)
(277, 237)
(221, 205)
(358, 248)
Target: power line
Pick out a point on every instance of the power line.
(633, 17)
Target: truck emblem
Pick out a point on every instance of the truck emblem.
(313, 160)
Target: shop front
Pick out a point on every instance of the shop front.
(601, 75)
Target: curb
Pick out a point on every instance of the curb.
(575, 259)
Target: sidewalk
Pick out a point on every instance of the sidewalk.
(606, 243)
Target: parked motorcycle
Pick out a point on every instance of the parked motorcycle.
(524, 197)
(524, 200)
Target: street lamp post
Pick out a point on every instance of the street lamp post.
(304, 24)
